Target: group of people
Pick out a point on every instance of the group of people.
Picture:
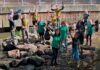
(59, 34)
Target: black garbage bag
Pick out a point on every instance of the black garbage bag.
(8, 45)
(39, 53)
(16, 63)
(48, 51)
(16, 14)
(47, 35)
(36, 61)
(4, 67)
(15, 17)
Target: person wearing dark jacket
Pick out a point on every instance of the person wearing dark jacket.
(47, 34)
(81, 29)
(96, 25)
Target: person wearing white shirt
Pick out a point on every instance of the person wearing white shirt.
(12, 24)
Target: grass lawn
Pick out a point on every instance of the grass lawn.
(4, 35)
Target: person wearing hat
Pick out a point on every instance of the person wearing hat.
(64, 29)
(86, 16)
(89, 32)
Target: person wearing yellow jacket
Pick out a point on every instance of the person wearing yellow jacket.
(34, 21)
(25, 28)
(57, 12)
(53, 19)
(34, 17)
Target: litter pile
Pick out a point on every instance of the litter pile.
(18, 54)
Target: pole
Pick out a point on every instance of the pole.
(39, 4)
(22, 2)
(74, 2)
(4, 2)
(91, 1)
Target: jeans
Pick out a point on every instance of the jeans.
(75, 54)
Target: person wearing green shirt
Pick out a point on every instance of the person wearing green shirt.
(89, 32)
(41, 25)
(64, 34)
(55, 46)
(86, 16)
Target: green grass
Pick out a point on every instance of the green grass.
(4, 35)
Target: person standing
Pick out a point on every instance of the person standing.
(25, 28)
(85, 17)
(64, 29)
(34, 17)
(53, 21)
(34, 21)
(12, 24)
(57, 13)
(75, 49)
(41, 30)
(81, 28)
(55, 46)
(89, 32)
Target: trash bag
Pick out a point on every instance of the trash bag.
(31, 29)
(48, 51)
(47, 36)
(18, 33)
(29, 47)
(39, 53)
(36, 60)
(15, 17)
(17, 63)
(8, 45)
(3, 67)
(14, 53)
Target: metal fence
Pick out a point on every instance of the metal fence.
(50, 1)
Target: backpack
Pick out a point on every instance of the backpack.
(15, 17)
(47, 35)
